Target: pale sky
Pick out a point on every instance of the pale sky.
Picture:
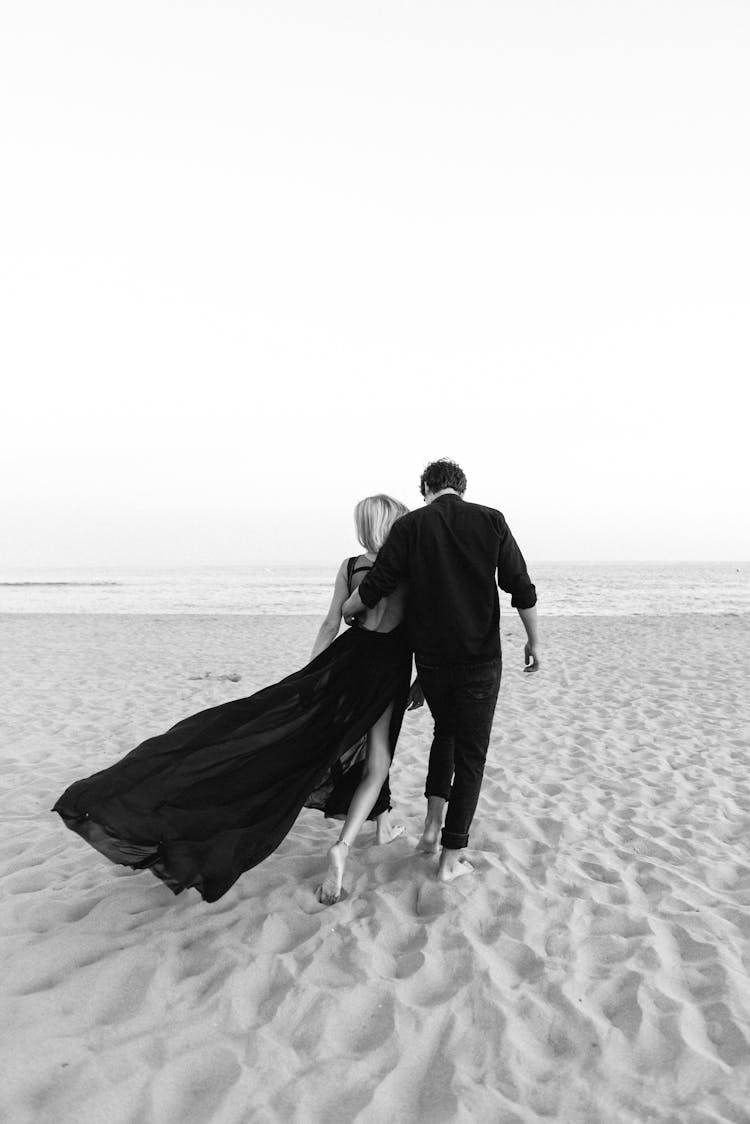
(262, 259)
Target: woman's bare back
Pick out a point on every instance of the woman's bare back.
(389, 611)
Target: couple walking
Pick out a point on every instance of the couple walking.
(217, 793)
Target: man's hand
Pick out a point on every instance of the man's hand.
(531, 659)
(416, 696)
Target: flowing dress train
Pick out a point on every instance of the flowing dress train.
(216, 794)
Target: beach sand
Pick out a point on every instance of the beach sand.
(593, 969)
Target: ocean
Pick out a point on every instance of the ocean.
(563, 589)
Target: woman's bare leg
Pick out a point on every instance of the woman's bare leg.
(377, 764)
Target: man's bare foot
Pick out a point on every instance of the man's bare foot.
(330, 892)
(428, 845)
(433, 822)
(429, 842)
(452, 865)
(385, 831)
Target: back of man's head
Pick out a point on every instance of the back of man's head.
(442, 474)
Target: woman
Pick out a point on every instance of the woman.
(334, 799)
(216, 794)
(360, 777)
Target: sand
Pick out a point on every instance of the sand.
(593, 969)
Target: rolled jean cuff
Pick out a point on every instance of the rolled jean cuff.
(432, 790)
(452, 841)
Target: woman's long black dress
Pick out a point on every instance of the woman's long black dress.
(334, 797)
(216, 794)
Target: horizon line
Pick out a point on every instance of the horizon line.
(331, 562)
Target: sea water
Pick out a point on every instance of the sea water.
(563, 589)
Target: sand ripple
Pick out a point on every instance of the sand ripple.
(594, 970)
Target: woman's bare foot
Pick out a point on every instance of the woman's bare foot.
(330, 892)
(385, 831)
(452, 865)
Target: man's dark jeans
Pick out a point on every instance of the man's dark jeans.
(462, 699)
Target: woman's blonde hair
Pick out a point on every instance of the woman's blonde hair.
(373, 517)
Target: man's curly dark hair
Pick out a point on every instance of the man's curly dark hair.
(442, 474)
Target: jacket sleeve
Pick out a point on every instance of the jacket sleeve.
(512, 576)
(390, 566)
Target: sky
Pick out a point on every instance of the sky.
(261, 259)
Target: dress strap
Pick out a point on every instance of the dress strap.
(350, 564)
(352, 568)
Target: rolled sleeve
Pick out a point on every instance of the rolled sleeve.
(389, 568)
(512, 575)
(524, 595)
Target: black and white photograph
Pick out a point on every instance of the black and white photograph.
(375, 562)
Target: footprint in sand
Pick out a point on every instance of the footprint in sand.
(600, 873)
(622, 1007)
(521, 961)
(728, 1040)
(408, 965)
(194, 1085)
(692, 951)
(363, 1022)
(122, 988)
(557, 942)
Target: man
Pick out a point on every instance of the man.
(449, 551)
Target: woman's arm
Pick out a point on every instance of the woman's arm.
(329, 629)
